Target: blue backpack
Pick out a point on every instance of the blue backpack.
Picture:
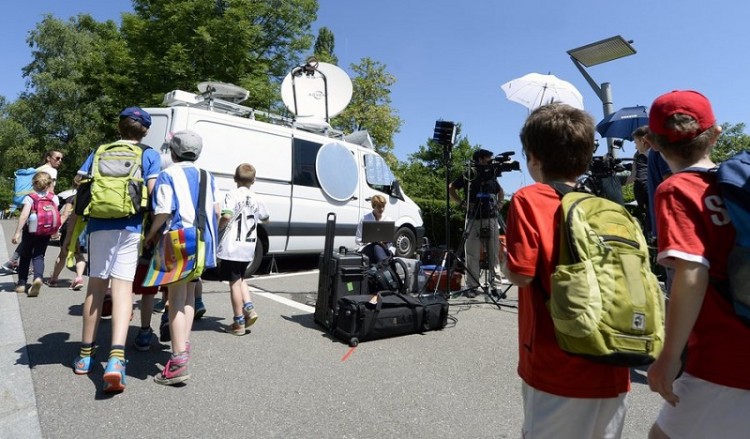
(23, 185)
(733, 177)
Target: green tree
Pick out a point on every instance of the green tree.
(245, 42)
(324, 46)
(732, 140)
(370, 108)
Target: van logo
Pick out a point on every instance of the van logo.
(317, 95)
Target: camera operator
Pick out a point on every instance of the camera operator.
(484, 197)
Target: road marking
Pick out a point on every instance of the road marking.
(282, 275)
(283, 300)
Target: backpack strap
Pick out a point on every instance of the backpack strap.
(203, 183)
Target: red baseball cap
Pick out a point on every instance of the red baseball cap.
(686, 102)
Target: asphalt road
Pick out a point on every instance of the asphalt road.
(286, 379)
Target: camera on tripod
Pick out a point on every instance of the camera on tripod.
(605, 166)
(499, 164)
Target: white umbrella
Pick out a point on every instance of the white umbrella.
(534, 90)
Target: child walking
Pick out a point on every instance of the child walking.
(240, 215)
(176, 196)
(35, 239)
(711, 397)
(564, 395)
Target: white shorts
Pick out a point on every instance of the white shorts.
(113, 253)
(706, 410)
(551, 416)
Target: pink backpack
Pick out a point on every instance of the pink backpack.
(48, 217)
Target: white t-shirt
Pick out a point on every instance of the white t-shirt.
(237, 240)
(49, 170)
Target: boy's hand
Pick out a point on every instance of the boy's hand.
(16, 238)
(661, 375)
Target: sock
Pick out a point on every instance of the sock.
(248, 306)
(87, 350)
(240, 320)
(117, 351)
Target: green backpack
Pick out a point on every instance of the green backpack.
(115, 187)
(606, 304)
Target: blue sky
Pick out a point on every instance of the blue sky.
(450, 58)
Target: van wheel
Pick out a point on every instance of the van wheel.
(257, 259)
(405, 242)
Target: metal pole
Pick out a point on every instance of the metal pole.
(608, 108)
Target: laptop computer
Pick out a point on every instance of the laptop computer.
(378, 231)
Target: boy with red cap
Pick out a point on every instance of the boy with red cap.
(711, 397)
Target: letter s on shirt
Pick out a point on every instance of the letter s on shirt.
(719, 215)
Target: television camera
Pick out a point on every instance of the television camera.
(487, 171)
(606, 166)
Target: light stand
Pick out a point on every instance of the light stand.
(445, 135)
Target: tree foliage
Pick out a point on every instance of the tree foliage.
(245, 42)
(324, 46)
(732, 140)
(370, 108)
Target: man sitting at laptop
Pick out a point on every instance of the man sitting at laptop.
(376, 250)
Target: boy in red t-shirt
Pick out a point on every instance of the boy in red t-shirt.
(712, 397)
(563, 395)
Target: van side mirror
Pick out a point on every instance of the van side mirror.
(396, 190)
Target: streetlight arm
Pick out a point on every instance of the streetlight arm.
(588, 79)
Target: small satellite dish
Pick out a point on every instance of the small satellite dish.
(316, 89)
(222, 90)
(337, 170)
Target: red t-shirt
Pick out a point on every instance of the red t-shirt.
(532, 239)
(693, 225)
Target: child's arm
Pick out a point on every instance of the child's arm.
(517, 279)
(159, 221)
(25, 212)
(686, 298)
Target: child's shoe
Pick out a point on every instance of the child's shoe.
(52, 282)
(250, 317)
(82, 365)
(144, 339)
(36, 286)
(21, 288)
(77, 284)
(200, 309)
(175, 371)
(10, 267)
(159, 307)
(237, 328)
(114, 376)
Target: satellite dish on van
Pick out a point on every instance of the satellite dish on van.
(222, 90)
(337, 169)
(316, 89)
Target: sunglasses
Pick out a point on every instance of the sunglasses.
(57, 158)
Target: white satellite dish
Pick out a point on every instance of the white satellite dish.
(316, 89)
(222, 90)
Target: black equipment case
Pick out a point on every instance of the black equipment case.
(341, 274)
(394, 314)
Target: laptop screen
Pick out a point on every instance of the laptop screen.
(378, 231)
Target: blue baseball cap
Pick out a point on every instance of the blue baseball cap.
(138, 115)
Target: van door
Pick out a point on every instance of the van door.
(324, 179)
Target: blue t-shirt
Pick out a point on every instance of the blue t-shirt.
(658, 170)
(151, 166)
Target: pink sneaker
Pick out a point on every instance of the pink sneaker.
(76, 285)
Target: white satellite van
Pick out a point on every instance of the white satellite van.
(304, 170)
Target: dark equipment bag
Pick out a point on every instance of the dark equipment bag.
(394, 314)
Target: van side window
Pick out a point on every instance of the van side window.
(303, 163)
(377, 172)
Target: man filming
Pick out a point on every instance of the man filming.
(484, 197)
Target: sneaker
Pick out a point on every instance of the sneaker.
(107, 307)
(164, 334)
(51, 282)
(174, 372)
(21, 288)
(250, 317)
(236, 328)
(114, 376)
(82, 365)
(35, 287)
(159, 307)
(10, 267)
(144, 339)
(200, 309)
(472, 293)
(77, 285)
